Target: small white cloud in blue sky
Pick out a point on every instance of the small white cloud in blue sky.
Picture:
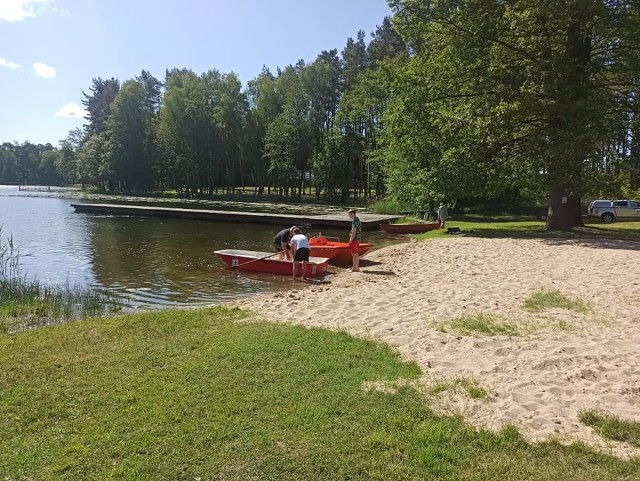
(43, 70)
(19, 10)
(9, 64)
(71, 111)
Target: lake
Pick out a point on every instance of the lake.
(149, 262)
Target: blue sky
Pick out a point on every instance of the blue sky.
(51, 49)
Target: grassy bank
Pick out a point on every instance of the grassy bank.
(514, 226)
(26, 303)
(210, 394)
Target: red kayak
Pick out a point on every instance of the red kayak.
(269, 263)
(338, 252)
(409, 228)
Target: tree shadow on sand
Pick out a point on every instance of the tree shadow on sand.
(618, 236)
(365, 263)
(596, 242)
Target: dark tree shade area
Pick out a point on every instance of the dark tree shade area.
(466, 102)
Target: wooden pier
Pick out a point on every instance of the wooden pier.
(340, 221)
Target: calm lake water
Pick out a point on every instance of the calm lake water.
(150, 262)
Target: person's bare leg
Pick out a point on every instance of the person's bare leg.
(356, 262)
(304, 269)
(294, 263)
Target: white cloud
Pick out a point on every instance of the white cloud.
(43, 70)
(71, 111)
(9, 64)
(63, 12)
(19, 10)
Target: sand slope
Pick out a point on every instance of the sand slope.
(539, 381)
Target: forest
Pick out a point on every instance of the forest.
(468, 102)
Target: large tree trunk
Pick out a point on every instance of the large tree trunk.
(568, 128)
(565, 210)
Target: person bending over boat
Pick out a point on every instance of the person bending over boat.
(281, 242)
(301, 250)
(354, 239)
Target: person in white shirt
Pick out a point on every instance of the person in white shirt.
(300, 249)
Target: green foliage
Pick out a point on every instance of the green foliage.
(477, 112)
(333, 165)
(29, 163)
(549, 299)
(98, 103)
(479, 102)
(200, 132)
(386, 43)
(94, 161)
(386, 206)
(611, 427)
(128, 130)
(212, 394)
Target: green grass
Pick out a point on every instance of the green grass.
(484, 324)
(519, 227)
(489, 229)
(550, 299)
(611, 427)
(203, 394)
(628, 228)
(469, 386)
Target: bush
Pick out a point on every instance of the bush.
(387, 206)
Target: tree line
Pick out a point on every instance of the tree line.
(300, 130)
(466, 102)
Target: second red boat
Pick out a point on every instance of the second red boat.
(337, 252)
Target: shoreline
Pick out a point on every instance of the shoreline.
(562, 362)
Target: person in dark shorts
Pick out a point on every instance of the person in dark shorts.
(301, 250)
(281, 242)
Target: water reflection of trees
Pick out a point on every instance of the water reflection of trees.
(171, 258)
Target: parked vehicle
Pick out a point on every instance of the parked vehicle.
(610, 210)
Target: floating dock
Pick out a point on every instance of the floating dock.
(369, 221)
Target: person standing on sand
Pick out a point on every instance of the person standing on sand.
(354, 239)
(300, 249)
(281, 242)
(442, 214)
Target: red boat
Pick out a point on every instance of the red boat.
(409, 228)
(338, 252)
(269, 263)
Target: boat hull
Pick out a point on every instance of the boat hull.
(409, 228)
(252, 261)
(337, 252)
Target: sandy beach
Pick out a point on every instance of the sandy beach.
(561, 363)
